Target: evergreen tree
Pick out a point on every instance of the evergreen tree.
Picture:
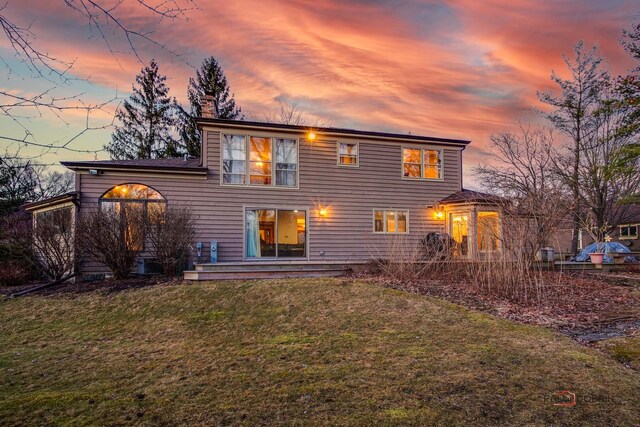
(210, 79)
(147, 120)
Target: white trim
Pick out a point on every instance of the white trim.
(422, 165)
(384, 220)
(275, 208)
(348, 165)
(630, 237)
(247, 151)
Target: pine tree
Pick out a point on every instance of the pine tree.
(147, 120)
(210, 79)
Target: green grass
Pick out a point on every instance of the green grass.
(301, 352)
(625, 350)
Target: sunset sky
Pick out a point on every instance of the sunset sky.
(460, 68)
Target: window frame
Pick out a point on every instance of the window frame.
(348, 165)
(423, 150)
(629, 236)
(497, 237)
(144, 202)
(276, 208)
(384, 220)
(247, 178)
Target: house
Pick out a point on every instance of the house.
(271, 194)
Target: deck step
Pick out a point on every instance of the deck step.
(235, 267)
(262, 274)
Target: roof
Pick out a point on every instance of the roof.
(470, 196)
(169, 165)
(329, 130)
(55, 200)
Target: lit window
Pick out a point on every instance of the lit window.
(259, 160)
(390, 221)
(488, 231)
(629, 231)
(135, 204)
(347, 154)
(261, 152)
(422, 163)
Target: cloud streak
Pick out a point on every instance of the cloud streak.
(458, 68)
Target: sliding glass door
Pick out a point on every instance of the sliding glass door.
(275, 233)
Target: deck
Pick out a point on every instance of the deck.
(269, 270)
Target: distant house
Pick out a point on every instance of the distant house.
(626, 232)
(281, 194)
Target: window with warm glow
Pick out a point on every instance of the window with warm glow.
(347, 154)
(411, 163)
(136, 204)
(259, 161)
(422, 163)
(488, 229)
(390, 221)
(260, 153)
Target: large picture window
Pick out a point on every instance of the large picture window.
(259, 153)
(135, 203)
(390, 221)
(275, 233)
(421, 163)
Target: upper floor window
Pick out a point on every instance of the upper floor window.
(390, 221)
(629, 231)
(422, 163)
(259, 153)
(348, 154)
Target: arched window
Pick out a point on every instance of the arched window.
(134, 201)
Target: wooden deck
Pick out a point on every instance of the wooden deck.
(268, 270)
(588, 266)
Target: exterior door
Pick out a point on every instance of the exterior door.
(459, 230)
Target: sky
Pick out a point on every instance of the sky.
(460, 68)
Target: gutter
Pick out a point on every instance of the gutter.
(82, 166)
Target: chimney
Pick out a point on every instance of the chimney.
(208, 110)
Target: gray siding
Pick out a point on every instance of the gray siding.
(349, 193)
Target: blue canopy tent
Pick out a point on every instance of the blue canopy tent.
(608, 248)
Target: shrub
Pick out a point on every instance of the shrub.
(16, 255)
(170, 233)
(112, 236)
(54, 243)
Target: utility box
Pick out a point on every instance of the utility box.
(547, 254)
(213, 254)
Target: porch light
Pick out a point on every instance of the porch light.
(439, 215)
(311, 136)
(322, 212)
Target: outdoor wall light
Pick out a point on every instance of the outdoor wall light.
(311, 136)
(322, 212)
(439, 215)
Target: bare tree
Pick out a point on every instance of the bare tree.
(22, 180)
(523, 171)
(573, 116)
(112, 236)
(171, 232)
(107, 21)
(292, 114)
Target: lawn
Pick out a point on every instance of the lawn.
(303, 352)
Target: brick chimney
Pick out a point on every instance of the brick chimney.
(208, 110)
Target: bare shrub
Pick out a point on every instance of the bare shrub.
(170, 233)
(54, 242)
(405, 260)
(13, 273)
(113, 236)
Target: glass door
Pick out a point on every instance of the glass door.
(275, 233)
(459, 225)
